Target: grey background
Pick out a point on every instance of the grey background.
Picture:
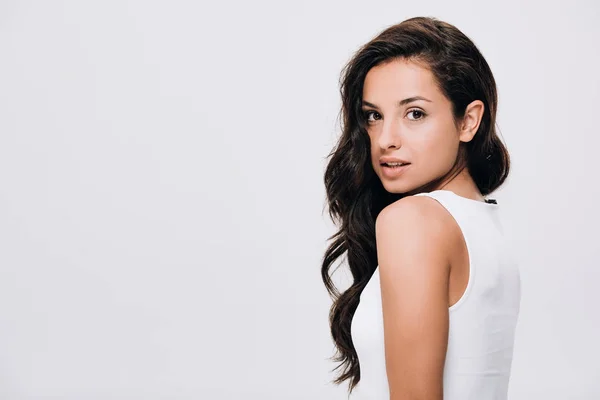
(161, 196)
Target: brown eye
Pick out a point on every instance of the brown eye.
(368, 114)
(417, 113)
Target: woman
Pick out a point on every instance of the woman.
(432, 310)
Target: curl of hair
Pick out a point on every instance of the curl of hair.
(355, 195)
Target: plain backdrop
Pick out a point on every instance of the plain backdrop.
(162, 203)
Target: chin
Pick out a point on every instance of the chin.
(395, 187)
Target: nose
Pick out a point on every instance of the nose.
(389, 137)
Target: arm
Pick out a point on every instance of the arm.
(413, 244)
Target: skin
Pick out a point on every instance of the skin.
(423, 261)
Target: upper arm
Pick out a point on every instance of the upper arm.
(413, 256)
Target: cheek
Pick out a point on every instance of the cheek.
(374, 150)
(433, 148)
(375, 159)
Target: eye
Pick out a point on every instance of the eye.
(417, 112)
(367, 114)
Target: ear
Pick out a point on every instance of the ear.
(471, 120)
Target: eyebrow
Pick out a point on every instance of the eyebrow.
(400, 103)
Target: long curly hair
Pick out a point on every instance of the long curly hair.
(355, 195)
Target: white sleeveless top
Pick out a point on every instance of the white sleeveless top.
(481, 324)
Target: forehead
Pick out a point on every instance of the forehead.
(399, 78)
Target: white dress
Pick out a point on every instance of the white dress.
(481, 324)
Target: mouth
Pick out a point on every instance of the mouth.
(393, 170)
(394, 165)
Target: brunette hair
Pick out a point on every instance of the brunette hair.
(355, 195)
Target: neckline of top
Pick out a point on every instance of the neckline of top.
(484, 204)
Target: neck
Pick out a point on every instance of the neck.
(463, 185)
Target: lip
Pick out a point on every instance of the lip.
(393, 172)
(383, 160)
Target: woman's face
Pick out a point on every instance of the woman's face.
(409, 118)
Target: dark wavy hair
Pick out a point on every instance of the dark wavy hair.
(355, 194)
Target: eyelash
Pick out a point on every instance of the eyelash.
(367, 113)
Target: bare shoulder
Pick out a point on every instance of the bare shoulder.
(415, 233)
(418, 216)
